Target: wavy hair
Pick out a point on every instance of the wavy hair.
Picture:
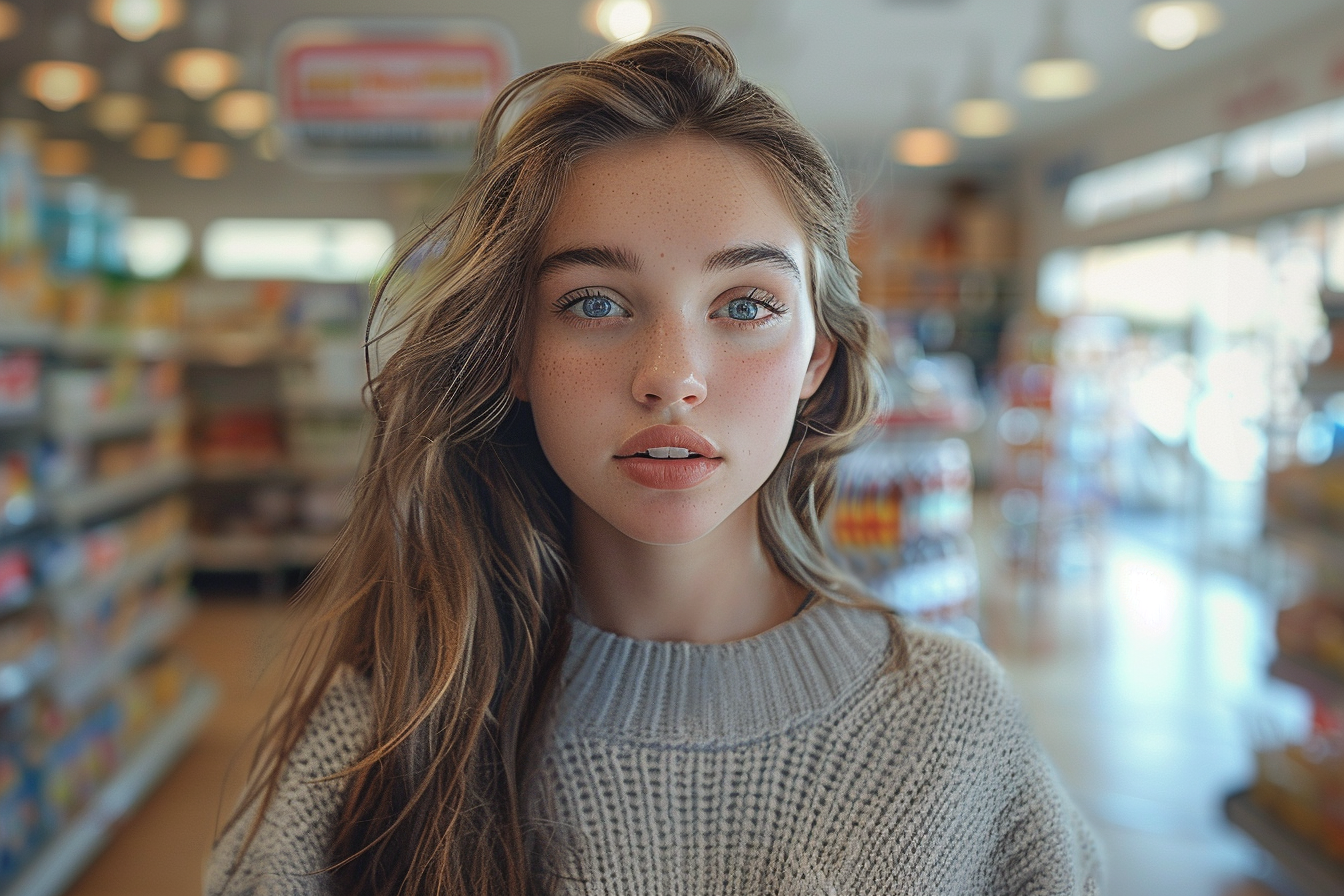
(450, 586)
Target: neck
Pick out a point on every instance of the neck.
(721, 587)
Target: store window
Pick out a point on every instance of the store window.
(328, 250)
(156, 247)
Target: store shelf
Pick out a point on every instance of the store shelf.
(150, 345)
(75, 687)
(25, 334)
(60, 863)
(306, 550)
(238, 348)
(21, 598)
(242, 471)
(115, 422)
(18, 678)
(80, 505)
(1317, 679)
(233, 553)
(1306, 865)
(25, 419)
(75, 601)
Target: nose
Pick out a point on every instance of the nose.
(669, 371)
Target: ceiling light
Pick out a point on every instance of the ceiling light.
(203, 160)
(157, 141)
(119, 115)
(201, 72)
(136, 19)
(242, 112)
(60, 84)
(1175, 24)
(924, 147)
(11, 20)
(64, 158)
(983, 117)
(620, 20)
(1057, 73)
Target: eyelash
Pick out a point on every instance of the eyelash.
(762, 298)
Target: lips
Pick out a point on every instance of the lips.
(665, 436)
(668, 473)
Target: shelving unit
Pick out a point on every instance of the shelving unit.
(62, 860)
(1306, 865)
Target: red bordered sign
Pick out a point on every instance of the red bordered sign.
(393, 94)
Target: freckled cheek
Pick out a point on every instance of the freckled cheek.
(760, 393)
(571, 394)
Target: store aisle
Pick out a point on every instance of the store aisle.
(1144, 679)
(162, 848)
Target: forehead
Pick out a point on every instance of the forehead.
(687, 192)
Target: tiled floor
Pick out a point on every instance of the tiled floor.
(1144, 680)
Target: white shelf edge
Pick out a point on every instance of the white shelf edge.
(118, 421)
(63, 859)
(145, 344)
(74, 689)
(1307, 866)
(73, 507)
(76, 600)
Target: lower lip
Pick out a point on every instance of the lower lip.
(668, 474)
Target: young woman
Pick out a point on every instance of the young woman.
(580, 634)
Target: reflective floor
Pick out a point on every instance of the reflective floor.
(1143, 676)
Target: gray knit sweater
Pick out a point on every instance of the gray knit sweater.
(787, 763)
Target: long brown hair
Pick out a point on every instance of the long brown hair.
(450, 585)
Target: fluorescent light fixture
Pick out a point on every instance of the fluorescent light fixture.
(332, 250)
(156, 247)
(1176, 24)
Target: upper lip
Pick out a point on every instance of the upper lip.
(665, 436)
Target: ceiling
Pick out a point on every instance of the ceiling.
(850, 68)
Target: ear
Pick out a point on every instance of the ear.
(517, 386)
(823, 353)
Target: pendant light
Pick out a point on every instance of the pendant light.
(11, 20)
(204, 70)
(64, 158)
(203, 156)
(137, 20)
(1057, 73)
(244, 111)
(619, 20)
(119, 111)
(1176, 24)
(981, 114)
(160, 138)
(60, 82)
(923, 144)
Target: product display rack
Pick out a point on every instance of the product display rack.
(1305, 865)
(60, 862)
(277, 427)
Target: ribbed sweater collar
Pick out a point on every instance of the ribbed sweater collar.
(676, 693)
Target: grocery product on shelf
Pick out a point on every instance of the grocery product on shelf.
(276, 375)
(93, 558)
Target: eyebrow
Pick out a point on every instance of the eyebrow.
(589, 256)
(754, 253)
(623, 260)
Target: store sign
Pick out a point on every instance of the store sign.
(388, 94)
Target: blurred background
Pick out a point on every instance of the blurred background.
(1105, 239)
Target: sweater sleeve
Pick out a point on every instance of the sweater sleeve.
(295, 833)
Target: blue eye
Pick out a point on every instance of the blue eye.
(597, 306)
(743, 309)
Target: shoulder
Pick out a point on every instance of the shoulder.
(954, 681)
(292, 839)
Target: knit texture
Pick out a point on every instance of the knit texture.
(787, 763)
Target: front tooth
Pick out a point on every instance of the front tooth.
(661, 453)
(677, 452)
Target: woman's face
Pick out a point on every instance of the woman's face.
(671, 312)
